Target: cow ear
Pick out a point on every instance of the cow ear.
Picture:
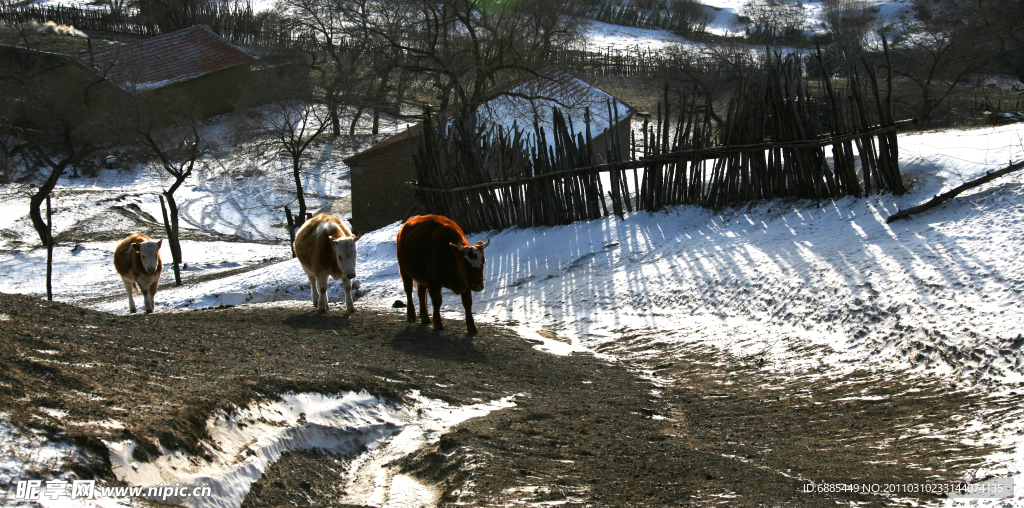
(135, 247)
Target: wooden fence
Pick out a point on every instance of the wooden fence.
(82, 19)
(247, 28)
(238, 27)
(633, 62)
(773, 143)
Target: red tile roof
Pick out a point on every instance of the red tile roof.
(168, 59)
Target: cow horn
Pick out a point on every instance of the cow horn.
(485, 244)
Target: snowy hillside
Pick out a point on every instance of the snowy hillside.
(794, 286)
(799, 282)
(941, 291)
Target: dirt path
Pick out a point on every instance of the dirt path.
(584, 431)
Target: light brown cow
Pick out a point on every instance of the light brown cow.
(137, 261)
(325, 247)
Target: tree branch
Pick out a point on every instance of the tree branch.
(946, 196)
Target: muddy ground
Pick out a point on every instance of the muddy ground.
(690, 429)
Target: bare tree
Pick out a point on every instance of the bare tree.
(715, 72)
(465, 47)
(171, 15)
(11, 146)
(57, 117)
(287, 127)
(849, 22)
(59, 121)
(934, 55)
(178, 148)
(691, 16)
(120, 8)
(19, 23)
(774, 21)
(999, 26)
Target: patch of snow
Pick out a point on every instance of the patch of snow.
(604, 36)
(245, 442)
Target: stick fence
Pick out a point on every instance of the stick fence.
(774, 142)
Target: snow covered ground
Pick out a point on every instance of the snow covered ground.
(928, 293)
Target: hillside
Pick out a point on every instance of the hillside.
(779, 352)
(580, 430)
(752, 353)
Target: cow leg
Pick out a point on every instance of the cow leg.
(130, 288)
(315, 295)
(347, 284)
(321, 283)
(435, 298)
(146, 298)
(424, 313)
(467, 304)
(410, 309)
(152, 294)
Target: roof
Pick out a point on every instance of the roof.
(168, 59)
(37, 56)
(520, 103)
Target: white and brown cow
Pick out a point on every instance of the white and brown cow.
(325, 247)
(433, 252)
(137, 261)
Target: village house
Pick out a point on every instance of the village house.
(194, 63)
(59, 66)
(382, 176)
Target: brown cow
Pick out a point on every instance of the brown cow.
(325, 247)
(137, 261)
(433, 252)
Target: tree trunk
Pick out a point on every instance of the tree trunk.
(291, 229)
(355, 120)
(37, 199)
(5, 167)
(298, 189)
(946, 196)
(49, 251)
(171, 228)
(335, 120)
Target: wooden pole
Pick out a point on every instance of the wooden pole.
(291, 229)
(49, 250)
